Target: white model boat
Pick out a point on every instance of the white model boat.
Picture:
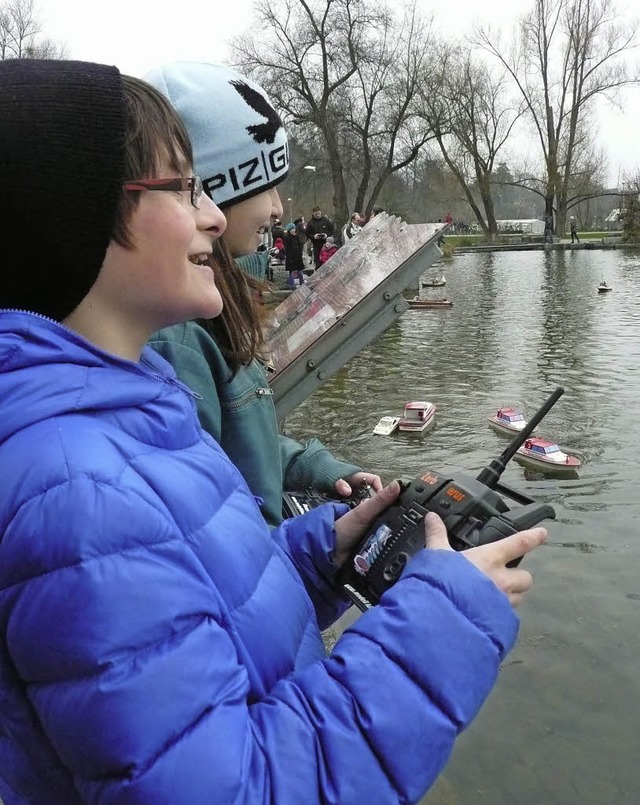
(508, 420)
(545, 454)
(438, 282)
(417, 416)
(387, 425)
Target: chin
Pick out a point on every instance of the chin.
(249, 248)
(213, 308)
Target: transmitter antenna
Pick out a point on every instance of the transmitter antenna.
(489, 476)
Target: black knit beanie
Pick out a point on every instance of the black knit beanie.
(61, 174)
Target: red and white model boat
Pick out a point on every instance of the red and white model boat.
(508, 420)
(417, 416)
(543, 453)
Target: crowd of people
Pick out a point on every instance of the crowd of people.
(318, 237)
(160, 622)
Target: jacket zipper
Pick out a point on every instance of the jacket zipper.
(140, 365)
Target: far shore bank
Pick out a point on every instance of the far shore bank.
(586, 245)
(603, 240)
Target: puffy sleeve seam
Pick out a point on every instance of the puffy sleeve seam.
(177, 534)
(436, 584)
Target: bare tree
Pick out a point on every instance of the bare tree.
(472, 120)
(384, 109)
(350, 70)
(566, 55)
(587, 181)
(46, 49)
(630, 208)
(20, 33)
(307, 50)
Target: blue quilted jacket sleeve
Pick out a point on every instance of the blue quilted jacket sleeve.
(238, 414)
(144, 691)
(309, 541)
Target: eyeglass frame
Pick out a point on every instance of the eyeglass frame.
(191, 183)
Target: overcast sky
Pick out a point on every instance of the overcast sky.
(139, 34)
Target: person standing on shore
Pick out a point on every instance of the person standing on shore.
(318, 230)
(573, 226)
(328, 249)
(293, 259)
(277, 231)
(352, 228)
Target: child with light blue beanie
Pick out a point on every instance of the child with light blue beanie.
(241, 152)
(240, 146)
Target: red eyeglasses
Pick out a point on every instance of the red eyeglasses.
(191, 183)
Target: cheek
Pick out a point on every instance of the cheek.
(238, 220)
(250, 216)
(164, 228)
(240, 236)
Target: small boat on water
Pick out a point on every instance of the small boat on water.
(545, 454)
(508, 420)
(417, 416)
(438, 282)
(419, 302)
(386, 425)
(603, 287)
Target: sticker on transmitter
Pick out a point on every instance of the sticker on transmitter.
(372, 549)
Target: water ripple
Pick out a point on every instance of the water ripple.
(521, 324)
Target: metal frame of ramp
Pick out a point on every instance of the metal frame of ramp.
(345, 305)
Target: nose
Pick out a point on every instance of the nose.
(277, 210)
(210, 218)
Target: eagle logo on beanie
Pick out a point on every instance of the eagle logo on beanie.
(262, 132)
(239, 141)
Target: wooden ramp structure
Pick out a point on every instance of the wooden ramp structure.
(345, 304)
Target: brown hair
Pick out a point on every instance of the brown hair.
(153, 131)
(238, 329)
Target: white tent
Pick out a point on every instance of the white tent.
(528, 226)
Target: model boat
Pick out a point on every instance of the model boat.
(508, 420)
(386, 425)
(417, 416)
(603, 287)
(435, 283)
(420, 302)
(543, 453)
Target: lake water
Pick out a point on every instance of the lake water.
(563, 724)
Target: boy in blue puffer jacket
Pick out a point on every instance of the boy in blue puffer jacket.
(158, 642)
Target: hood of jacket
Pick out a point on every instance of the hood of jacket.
(47, 370)
(255, 264)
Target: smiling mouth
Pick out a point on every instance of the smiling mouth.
(199, 259)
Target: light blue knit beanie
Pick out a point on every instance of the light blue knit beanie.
(240, 146)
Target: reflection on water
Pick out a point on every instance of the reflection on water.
(563, 724)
